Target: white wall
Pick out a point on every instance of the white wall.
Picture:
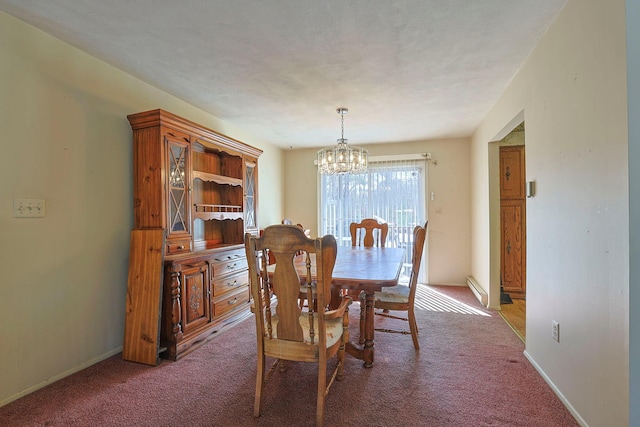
(572, 90)
(449, 231)
(633, 90)
(66, 139)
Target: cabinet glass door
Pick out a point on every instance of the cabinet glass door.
(178, 188)
(250, 208)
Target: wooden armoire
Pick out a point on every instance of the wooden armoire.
(197, 191)
(513, 221)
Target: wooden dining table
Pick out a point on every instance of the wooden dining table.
(368, 270)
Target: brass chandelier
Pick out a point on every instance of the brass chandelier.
(342, 158)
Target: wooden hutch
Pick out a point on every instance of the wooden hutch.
(197, 190)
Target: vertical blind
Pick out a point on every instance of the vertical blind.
(391, 191)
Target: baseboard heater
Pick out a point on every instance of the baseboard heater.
(478, 291)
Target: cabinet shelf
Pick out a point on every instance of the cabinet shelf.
(217, 212)
(218, 179)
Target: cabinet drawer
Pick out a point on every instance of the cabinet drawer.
(228, 262)
(231, 302)
(178, 246)
(230, 283)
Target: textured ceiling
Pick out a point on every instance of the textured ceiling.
(407, 70)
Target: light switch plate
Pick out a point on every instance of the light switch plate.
(28, 208)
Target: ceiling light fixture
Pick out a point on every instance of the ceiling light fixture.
(342, 158)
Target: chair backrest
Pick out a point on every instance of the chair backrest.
(319, 255)
(419, 236)
(369, 232)
(307, 231)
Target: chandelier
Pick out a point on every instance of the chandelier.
(342, 158)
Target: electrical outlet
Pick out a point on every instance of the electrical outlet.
(28, 208)
(555, 330)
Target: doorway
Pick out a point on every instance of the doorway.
(513, 230)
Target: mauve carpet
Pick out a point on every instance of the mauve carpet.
(470, 371)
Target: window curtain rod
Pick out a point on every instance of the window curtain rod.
(400, 157)
(395, 157)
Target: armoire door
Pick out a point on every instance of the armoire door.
(513, 221)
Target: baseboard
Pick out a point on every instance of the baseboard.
(563, 399)
(452, 284)
(227, 325)
(60, 376)
(478, 291)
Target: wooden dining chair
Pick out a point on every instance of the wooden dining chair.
(307, 232)
(284, 331)
(369, 232)
(402, 297)
(286, 221)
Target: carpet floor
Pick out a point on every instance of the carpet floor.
(470, 371)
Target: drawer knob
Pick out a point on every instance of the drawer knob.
(181, 247)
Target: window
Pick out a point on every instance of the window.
(392, 191)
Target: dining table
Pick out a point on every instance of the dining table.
(368, 269)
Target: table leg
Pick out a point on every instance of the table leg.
(369, 329)
(366, 351)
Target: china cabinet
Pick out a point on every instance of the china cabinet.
(200, 187)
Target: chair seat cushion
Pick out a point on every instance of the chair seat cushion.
(399, 294)
(333, 328)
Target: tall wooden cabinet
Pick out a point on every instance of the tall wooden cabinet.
(200, 187)
(513, 221)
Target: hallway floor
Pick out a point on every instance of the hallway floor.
(515, 315)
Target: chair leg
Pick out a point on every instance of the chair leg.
(362, 318)
(343, 346)
(413, 326)
(322, 390)
(259, 386)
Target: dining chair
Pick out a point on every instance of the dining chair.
(286, 221)
(369, 232)
(307, 232)
(402, 297)
(284, 331)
